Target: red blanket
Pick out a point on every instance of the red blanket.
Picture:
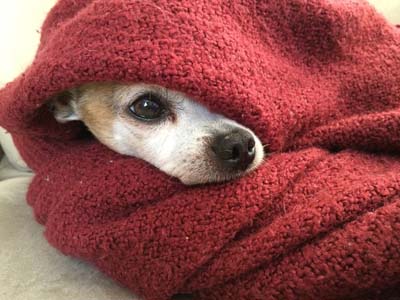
(318, 81)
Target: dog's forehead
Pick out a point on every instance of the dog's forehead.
(123, 93)
(111, 99)
(95, 92)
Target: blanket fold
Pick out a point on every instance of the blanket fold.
(317, 81)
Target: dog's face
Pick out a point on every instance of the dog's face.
(165, 128)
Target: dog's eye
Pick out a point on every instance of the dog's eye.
(147, 107)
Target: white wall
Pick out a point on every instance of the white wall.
(389, 8)
(20, 21)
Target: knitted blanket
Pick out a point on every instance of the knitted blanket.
(318, 81)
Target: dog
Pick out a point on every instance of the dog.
(164, 127)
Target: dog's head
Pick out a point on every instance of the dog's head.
(165, 128)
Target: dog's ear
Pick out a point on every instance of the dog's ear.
(64, 106)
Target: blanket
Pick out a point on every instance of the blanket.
(316, 80)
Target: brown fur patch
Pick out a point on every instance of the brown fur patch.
(97, 110)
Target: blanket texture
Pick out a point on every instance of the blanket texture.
(318, 81)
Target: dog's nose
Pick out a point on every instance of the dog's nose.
(235, 150)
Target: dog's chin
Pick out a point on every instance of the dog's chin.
(214, 176)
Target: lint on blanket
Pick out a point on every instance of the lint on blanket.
(318, 81)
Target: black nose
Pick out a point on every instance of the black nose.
(235, 150)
